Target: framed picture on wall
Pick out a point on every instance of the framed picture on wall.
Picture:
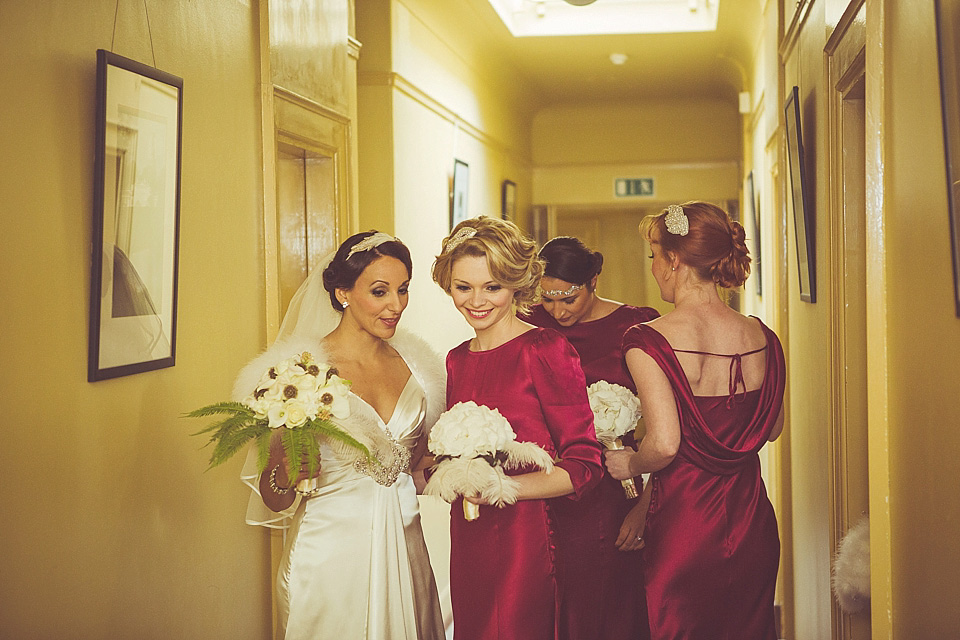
(508, 200)
(136, 219)
(458, 199)
(804, 220)
(948, 46)
(751, 212)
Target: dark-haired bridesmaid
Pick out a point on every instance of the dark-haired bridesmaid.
(711, 382)
(600, 537)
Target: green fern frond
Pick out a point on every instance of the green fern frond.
(325, 428)
(218, 408)
(232, 442)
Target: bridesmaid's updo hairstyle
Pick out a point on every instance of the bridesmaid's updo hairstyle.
(568, 259)
(511, 256)
(715, 245)
(346, 267)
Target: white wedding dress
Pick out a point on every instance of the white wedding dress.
(354, 564)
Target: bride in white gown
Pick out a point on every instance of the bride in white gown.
(354, 564)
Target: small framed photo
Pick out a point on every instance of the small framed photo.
(804, 220)
(458, 200)
(751, 212)
(948, 48)
(508, 200)
(136, 219)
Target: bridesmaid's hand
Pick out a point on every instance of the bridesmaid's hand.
(618, 463)
(475, 499)
(631, 531)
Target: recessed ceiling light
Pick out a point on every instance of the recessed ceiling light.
(618, 58)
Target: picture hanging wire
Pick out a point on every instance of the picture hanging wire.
(113, 38)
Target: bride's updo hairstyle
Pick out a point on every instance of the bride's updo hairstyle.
(568, 259)
(511, 256)
(346, 267)
(714, 245)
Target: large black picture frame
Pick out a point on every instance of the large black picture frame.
(804, 217)
(948, 49)
(136, 219)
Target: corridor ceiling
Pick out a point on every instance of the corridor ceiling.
(578, 69)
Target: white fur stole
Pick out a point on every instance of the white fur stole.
(851, 569)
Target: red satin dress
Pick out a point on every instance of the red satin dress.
(712, 546)
(602, 595)
(502, 573)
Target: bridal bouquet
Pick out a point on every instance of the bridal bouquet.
(299, 395)
(474, 445)
(615, 413)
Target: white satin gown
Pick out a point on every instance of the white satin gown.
(355, 565)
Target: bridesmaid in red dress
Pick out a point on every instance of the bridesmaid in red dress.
(599, 545)
(502, 571)
(711, 382)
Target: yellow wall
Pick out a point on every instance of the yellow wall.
(913, 373)
(111, 527)
(923, 336)
(429, 93)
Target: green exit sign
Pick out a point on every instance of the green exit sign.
(632, 187)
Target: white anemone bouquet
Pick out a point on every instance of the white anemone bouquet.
(474, 445)
(615, 413)
(299, 395)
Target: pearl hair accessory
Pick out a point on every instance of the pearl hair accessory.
(677, 222)
(459, 238)
(370, 242)
(556, 293)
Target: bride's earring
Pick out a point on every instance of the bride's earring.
(344, 304)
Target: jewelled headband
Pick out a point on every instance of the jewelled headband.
(557, 293)
(370, 242)
(677, 222)
(459, 238)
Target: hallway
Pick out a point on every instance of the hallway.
(306, 121)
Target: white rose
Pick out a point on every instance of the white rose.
(296, 414)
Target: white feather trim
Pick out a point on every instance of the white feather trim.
(526, 454)
(429, 369)
(851, 570)
(475, 476)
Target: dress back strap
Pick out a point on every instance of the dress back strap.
(736, 371)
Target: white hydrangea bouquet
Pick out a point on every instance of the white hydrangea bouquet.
(301, 396)
(474, 445)
(615, 413)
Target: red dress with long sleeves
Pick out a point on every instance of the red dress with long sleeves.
(502, 575)
(602, 595)
(712, 547)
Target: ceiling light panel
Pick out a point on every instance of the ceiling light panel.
(526, 18)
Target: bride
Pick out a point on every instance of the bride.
(354, 562)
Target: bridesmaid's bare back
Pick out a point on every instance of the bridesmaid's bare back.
(720, 331)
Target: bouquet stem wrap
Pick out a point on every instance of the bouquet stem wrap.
(629, 486)
(474, 446)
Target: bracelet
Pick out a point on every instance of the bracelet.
(273, 483)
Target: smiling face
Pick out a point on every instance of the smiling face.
(485, 303)
(378, 297)
(570, 309)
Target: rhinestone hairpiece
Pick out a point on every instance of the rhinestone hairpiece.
(459, 238)
(677, 222)
(370, 242)
(556, 293)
